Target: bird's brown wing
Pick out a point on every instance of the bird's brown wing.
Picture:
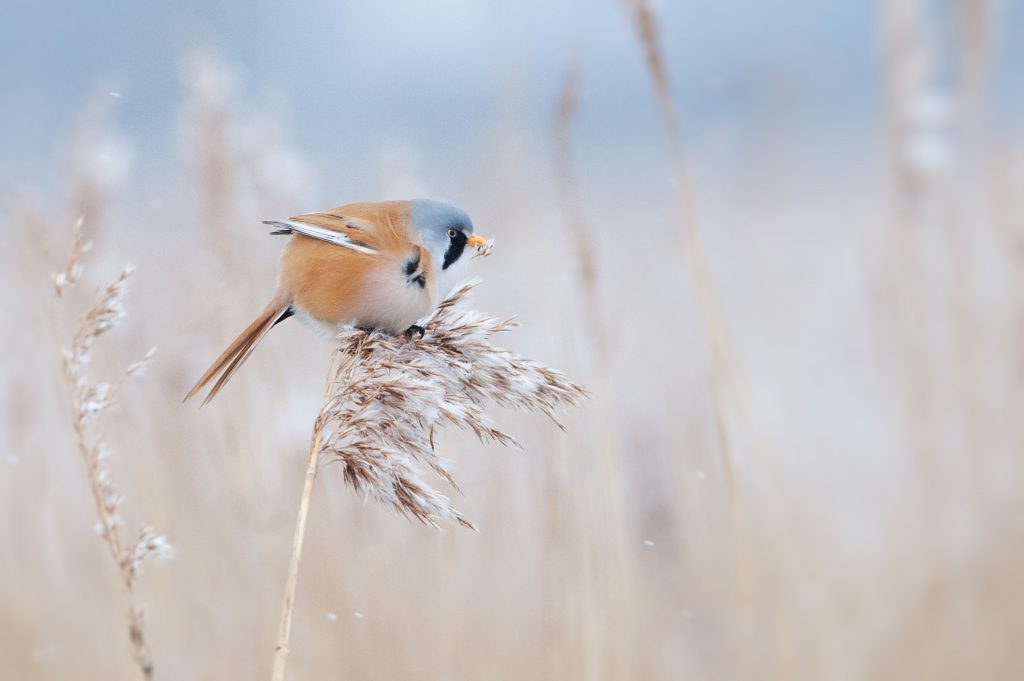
(383, 225)
(332, 228)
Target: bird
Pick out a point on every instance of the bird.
(381, 265)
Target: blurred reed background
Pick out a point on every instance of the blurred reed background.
(784, 248)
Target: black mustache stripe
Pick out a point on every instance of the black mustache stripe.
(455, 248)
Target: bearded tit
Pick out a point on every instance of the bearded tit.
(383, 265)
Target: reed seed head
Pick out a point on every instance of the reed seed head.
(391, 395)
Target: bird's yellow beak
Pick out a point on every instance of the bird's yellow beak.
(476, 241)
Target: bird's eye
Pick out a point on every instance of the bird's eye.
(452, 233)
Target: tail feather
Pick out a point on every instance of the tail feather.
(225, 366)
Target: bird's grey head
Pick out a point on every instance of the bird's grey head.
(445, 230)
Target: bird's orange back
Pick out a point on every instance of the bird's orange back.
(383, 225)
(331, 283)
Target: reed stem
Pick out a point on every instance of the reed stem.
(288, 607)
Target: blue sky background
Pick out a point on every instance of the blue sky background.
(345, 76)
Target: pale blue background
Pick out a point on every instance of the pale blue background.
(347, 75)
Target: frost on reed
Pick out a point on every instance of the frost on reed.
(390, 396)
(88, 401)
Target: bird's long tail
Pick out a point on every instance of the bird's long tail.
(225, 366)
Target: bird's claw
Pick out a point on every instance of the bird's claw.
(416, 331)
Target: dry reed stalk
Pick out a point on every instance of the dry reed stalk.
(730, 407)
(569, 195)
(932, 121)
(288, 607)
(605, 428)
(733, 418)
(88, 401)
(910, 62)
(387, 396)
(919, 122)
(977, 20)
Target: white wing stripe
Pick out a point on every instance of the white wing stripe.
(329, 235)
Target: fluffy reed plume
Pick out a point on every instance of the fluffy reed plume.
(88, 401)
(239, 153)
(390, 396)
(99, 158)
(209, 91)
(386, 397)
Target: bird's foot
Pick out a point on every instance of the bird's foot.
(414, 331)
